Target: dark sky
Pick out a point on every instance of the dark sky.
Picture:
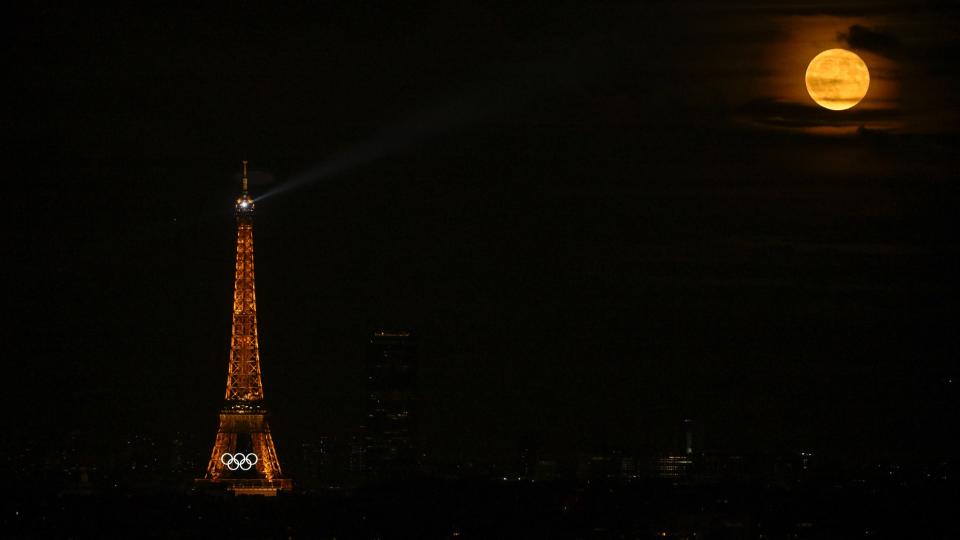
(599, 220)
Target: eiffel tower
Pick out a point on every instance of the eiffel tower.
(244, 460)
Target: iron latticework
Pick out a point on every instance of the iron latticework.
(243, 418)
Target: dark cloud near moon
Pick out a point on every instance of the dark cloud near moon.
(790, 114)
(876, 41)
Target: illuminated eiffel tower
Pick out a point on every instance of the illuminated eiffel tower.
(244, 459)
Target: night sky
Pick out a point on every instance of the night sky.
(599, 220)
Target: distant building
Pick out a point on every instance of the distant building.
(315, 461)
(176, 454)
(677, 469)
(545, 470)
(527, 463)
(688, 428)
(390, 427)
(628, 468)
(591, 467)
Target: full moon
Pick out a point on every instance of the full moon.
(837, 79)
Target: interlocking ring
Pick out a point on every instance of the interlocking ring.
(239, 460)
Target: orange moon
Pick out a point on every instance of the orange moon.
(837, 79)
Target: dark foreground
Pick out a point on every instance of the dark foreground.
(486, 509)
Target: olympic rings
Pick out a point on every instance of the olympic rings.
(239, 461)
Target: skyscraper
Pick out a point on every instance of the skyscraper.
(688, 428)
(390, 426)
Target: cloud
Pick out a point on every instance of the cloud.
(791, 114)
(876, 41)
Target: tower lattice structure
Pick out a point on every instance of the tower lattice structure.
(244, 429)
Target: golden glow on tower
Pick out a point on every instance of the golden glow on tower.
(243, 423)
(243, 373)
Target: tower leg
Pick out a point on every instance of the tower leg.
(225, 442)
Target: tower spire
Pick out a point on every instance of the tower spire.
(244, 203)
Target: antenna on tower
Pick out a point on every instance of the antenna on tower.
(244, 181)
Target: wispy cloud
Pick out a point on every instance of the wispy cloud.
(779, 113)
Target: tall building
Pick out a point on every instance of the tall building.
(244, 459)
(673, 467)
(354, 458)
(390, 427)
(688, 428)
(316, 465)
